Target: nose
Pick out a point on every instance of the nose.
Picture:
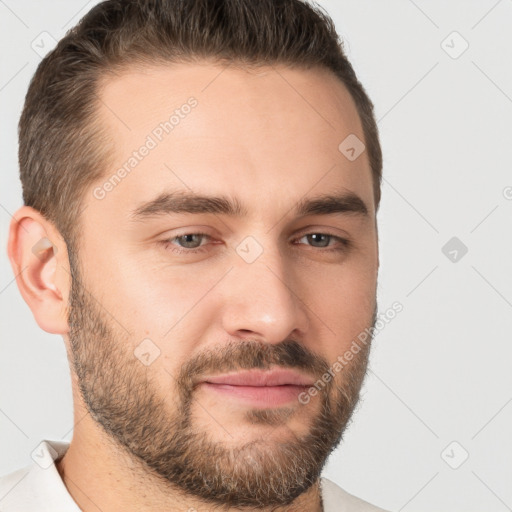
(262, 300)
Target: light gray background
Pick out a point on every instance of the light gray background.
(441, 370)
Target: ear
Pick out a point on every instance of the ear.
(39, 260)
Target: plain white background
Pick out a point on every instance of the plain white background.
(440, 385)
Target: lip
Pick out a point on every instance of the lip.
(277, 377)
(258, 396)
(258, 388)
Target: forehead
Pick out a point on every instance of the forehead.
(253, 133)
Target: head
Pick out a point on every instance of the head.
(187, 161)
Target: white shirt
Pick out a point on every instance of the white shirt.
(39, 487)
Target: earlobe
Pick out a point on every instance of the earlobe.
(39, 258)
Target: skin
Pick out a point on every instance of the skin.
(268, 137)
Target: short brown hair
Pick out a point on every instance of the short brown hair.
(62, 150)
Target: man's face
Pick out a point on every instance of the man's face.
(156, 308)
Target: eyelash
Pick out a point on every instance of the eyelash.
(168, 245)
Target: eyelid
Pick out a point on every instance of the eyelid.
(166, 242)
(309, 229)
(344, 243)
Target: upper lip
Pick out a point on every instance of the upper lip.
(276, 377)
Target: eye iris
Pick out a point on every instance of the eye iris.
(187, 239)
(314, 237)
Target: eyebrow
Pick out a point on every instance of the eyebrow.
(186, 202)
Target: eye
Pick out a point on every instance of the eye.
(188, 242)
(323, 240)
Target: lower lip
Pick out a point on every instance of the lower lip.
(267, 396)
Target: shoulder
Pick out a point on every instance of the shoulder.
(38, 486)
(334, 497)
(11, 480)
(16, 490)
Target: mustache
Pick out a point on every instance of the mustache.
(248, 355)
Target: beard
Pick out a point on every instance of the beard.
(160, 435)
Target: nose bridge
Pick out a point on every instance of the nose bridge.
(263, 297)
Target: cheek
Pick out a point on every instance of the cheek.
(343, 300)
(146, 301)
(152, 299)
(347, 311)
(168, 306)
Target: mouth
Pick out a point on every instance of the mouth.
(260, 388)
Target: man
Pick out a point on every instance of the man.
(200, 184)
